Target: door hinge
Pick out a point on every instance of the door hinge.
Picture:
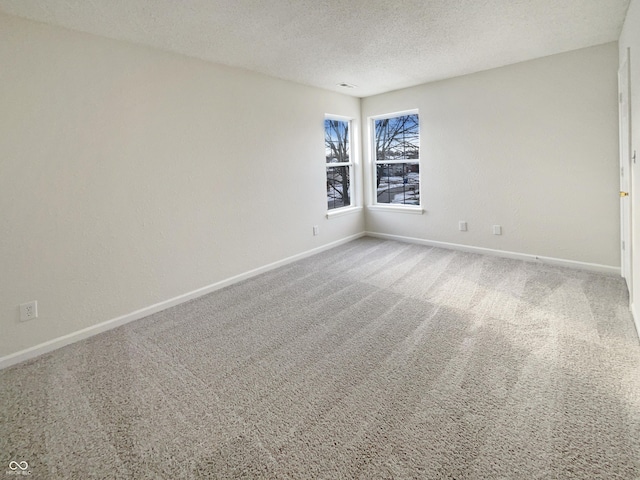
(623, 245)
(620, 97)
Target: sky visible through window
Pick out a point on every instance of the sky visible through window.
(336, 141)
(398, 138)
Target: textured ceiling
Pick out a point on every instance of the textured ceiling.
(378, 45)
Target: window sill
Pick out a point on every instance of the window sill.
(399, 209)
(339, 212)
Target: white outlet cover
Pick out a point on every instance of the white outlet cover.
(462, 226)
(28, 311)
(497, 230)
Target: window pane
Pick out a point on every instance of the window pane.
(398, 183)
(398, 138)
(338, 187)
(336, 140)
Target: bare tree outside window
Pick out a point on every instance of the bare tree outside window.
(397, 151)
(338, 162)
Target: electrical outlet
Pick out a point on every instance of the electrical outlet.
(316, 230)
(497, 230)
(462, 226)
(28, 311)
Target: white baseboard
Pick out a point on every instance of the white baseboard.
(65, 340)
(594, 267)
(73, 337)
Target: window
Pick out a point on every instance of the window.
(397, 159)
(337, 141)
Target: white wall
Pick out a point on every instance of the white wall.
(531, 146)
(129, 176)
(630, 38)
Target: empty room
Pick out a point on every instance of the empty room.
(319, 239)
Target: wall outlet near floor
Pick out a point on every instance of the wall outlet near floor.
(497, 230)
(462, 226)
(316, 230)
(28, 311)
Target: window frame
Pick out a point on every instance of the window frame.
(397, 207)
(351, 166)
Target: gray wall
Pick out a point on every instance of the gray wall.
(532, 147)
(129, 176)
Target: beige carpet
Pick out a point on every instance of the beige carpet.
(376, 359)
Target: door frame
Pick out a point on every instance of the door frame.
(626, 222)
